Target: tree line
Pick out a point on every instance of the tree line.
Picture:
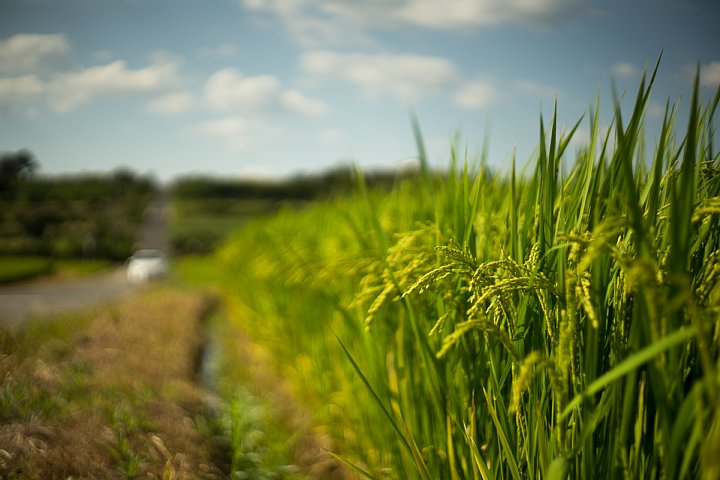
(88, 215)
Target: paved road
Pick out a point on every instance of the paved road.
(22, 301)
(153, 233)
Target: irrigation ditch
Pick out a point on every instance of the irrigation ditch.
(266, 431)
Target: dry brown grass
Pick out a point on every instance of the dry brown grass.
(117, 399)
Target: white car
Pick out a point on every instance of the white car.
(146, 265)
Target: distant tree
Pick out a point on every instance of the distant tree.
(124, 175)
(14, 167)
(17, 164)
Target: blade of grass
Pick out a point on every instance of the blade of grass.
(375, 396)
(507, 451)
(630, 364)
(477, 458)
(344, 461)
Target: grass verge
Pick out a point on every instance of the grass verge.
(19, 268)
(109, 393)
(15, 269)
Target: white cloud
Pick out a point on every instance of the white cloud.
(172, 103)
(35, 71)
(69, 90)
(475, 95)
(314, 31)
(333, 136)
(238, 132)
(449, 14)
(405, 76)
(24, 53)
(297, 102)
(234, 130)
(316, 22)
(625, 70)
(535, 89)
(311, 22)
(116, 77)
(229, 89)
(22, 87)
(224, 127)
(710, 74)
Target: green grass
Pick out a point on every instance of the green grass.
(199, 271)
(202, 233)
(79, 268)
(15, 269)
(199, 225)
(19, 268)
(557, 322)
(52, 336)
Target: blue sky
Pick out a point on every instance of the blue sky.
(269, 88)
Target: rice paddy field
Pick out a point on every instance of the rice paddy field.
(554, 321)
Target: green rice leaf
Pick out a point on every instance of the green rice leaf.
(630, 364)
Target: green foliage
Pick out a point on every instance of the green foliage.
(544, 325)
(339, 180)
(201, 271)
(206, 211)
(202, 232)
(14, 167)
(18, 268)
(71, 217)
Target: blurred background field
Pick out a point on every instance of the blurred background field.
(556, 320)
(205, 210)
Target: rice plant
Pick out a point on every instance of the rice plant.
(553, 323)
